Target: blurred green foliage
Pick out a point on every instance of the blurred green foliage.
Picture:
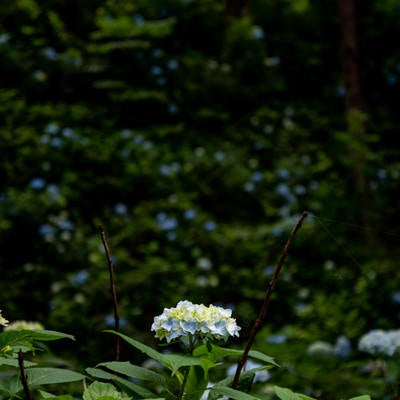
(196, 140)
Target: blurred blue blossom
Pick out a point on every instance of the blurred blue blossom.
(56, 142)
(283, 190)
(172, 108)
(37, 183)
(46, 229)
(257, 176)
(54, 192)
(4, 38)
(2, 196)
(80, 277)
(249, 186)
(396, 297)
(210, 226)
(110, 321)
(269, 270)
(126, 133)
(138, 19)
(67, 132)
(219, 155)
(172, 64)
(120, 209)
(272, 61)
(276, 339)
(50, 53)
(277, 231)
(283, 173)
(66, 225)
(380, 342)
(342, 347)
(381, 174)
(156, 70)
(300, 189)
(139, 139)
(257, 33)
(51, 128)
(190, 214)
(165, 222)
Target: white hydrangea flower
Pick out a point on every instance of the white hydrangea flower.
(3, 321)
(320, 348)
(380, 342)
(24, 325)
(192, 323)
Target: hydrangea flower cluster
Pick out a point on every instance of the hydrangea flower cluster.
(192, 323)
(3, 321)
(380, 342)
(24, 325)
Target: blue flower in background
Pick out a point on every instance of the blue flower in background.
(166, 222)
(342, 347)
(56, 142)
(276, 339)
(37, 183)
(80, 277)
(50, 53)
(210, 226)
(52, 128)
(257, 176)
(67, 132)
(66, 225)
(249, 186)
(257, 33)
(190, 214)
(156, 70)
(46, 229)
(138, 19)
(172, 64)
(283, 173)
(120, 209)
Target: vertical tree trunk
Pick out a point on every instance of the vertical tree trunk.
(355, 108)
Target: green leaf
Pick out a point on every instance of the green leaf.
(287, 394)
(46, 376)
(363, 397)
(145, 349)
(177, 361)
(50, 396)
(232, 393)
(27, 337)
(13, 362)
(100, 390)
(134, 371)
(127, 386)
(218, 352)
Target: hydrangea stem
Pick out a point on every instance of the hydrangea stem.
(185, 378)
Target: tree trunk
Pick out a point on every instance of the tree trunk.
(355, 109)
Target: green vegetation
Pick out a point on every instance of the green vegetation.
(195, 136)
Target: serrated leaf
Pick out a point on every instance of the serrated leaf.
(100, 390)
